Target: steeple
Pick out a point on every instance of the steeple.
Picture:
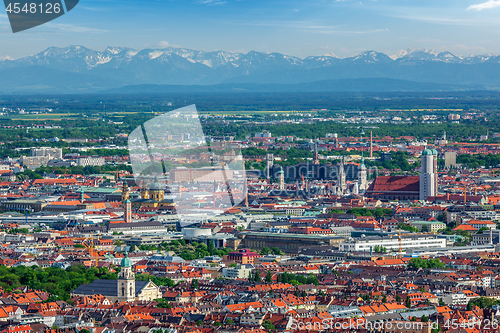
(126, 281)
(363, 186)
(125, 192)
(281, 175)
(82, 195)
(316, 155)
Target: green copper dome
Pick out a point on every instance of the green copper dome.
(434, 152)
(427, 152)
(126, 262)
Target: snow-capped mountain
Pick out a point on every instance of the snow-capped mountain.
(84, 69)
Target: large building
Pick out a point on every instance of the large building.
(394, 188)
(124, 289)
(151, 197)
(313, 171)
(244, 257)
(208, 174)
(286, 242)
(450, 159)
(428, 174)
(392, 243)
(47, 152)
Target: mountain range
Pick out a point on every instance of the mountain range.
(76, 69)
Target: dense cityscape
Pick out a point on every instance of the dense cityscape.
(374, 219)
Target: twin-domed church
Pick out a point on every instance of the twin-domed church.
(151, 197)
(124, 289)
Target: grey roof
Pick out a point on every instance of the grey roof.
(105, 288)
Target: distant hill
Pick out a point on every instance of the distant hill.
(343, 85)
(76, 69)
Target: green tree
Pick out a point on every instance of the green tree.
(269, 277)
(211, 247)
(268, 325)
(408, 302)
(194, 284)
(257, 276)
(276, 251)
(265, 251)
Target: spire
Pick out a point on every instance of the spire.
(82, 195)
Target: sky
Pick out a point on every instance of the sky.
(298, 28)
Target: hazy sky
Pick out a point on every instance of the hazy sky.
(300, 28)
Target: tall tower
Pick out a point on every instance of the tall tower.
(341, 179)
(82, 195)
(281, 175)
(145, 193)
(371, 144)
(126, 281)
(316, 154)
(428, 174)
(125, 192)
(128, 211)
(362, 175)
(269, 164)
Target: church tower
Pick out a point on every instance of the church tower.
(428, 174)
(269, 165)
(126, 281)
(281, 175)
(316, 154)
(127, 211)
(341, 179)
(363, 186)
(145, 193)
(125, 192)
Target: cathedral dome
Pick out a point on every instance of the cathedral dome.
(156, 186)
(427, 152)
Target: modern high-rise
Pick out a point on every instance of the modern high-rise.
(450, 159)
(46, 152)
(428, 174)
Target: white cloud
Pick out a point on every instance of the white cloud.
(211, 2)
(164, 44)
(485, 5)
(72, 28)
